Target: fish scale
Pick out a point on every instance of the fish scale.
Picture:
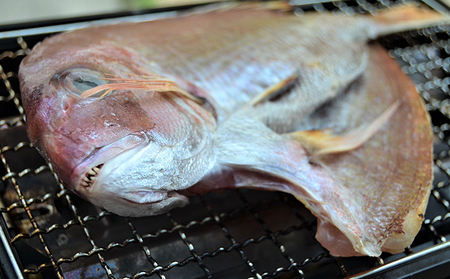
(267, 43)
(241, 97)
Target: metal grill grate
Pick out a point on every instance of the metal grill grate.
(52, 233)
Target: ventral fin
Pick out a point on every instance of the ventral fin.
(323, 142)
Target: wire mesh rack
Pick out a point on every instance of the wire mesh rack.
(47, 232)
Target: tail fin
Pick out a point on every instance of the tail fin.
(407, 18)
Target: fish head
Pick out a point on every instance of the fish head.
(129, 151)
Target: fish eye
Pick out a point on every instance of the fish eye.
(77, 80)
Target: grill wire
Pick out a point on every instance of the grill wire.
(232, 234)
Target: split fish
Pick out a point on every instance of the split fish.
(136, 117)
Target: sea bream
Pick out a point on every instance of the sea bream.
(136, 117)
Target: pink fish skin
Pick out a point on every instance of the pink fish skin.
(78, 135)
(225, 96)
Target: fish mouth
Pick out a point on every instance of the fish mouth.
(90, 177)
(84, 177)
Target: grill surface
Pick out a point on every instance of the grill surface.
(50, 233)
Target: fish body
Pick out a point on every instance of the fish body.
(227, 98)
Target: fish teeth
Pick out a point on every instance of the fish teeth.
(90, 176)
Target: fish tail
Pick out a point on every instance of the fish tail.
(406, 18)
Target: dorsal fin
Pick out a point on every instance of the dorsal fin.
(282, 6)
(407, 17)
(268, 5)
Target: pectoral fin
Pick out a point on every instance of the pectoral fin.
(149, 83)
(322, 142)
(275, 90)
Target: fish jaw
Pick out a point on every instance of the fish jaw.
(115, 187)
(128, 195)
(144, 180)
(86, 172)
(152, 147)
(162, 202)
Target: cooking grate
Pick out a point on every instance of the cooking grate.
(47, 232)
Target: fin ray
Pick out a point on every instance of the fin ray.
(274, 90)
(407, 17)
(323, 142)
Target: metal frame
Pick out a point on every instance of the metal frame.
(423, 259)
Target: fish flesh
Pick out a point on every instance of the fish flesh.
(136, 117)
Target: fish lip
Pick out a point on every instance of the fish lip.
(99, 156)
(141, 197)
(126, 207)
(140, 203)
